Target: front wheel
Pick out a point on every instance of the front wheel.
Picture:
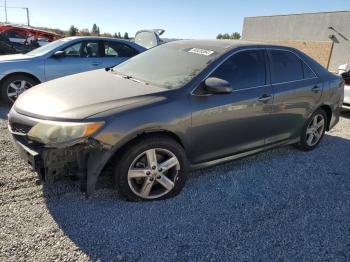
(152, 168)
(313, 130)
(15, 85)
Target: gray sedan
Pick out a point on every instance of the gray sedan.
(180, 105)
(60, 58)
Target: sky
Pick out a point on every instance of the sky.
(180, 18)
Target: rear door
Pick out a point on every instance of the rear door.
(225, 124)
(79, 57)
(115, 53)
(297, 90)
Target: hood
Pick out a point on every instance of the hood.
(15, 58)
(82, 95)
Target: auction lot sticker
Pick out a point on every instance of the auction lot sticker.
(201, 51)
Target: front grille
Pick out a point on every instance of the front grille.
(20, 128)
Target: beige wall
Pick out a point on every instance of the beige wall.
(319, 50)
(313, 28)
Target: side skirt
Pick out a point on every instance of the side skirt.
(241, 155)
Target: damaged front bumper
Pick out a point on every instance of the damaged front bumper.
(85, 160)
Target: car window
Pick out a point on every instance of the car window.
(308, 73)
(83, 49)
(90, 49)
(244, 69)
(285, 66)
(73, 50)
(114, 49)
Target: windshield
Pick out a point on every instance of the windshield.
(169, 65)
(47, 48)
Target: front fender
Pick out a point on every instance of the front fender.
(35, 69)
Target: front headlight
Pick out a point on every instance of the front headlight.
(53, 133)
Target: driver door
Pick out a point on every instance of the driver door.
(226, 124)
(79, 57)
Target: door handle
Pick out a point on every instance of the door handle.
(96, 64)
(316, 89)
(264, 98)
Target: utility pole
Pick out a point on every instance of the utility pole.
(16, 7)
(28, 22)
(5, 11)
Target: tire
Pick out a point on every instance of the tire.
(134, 177)
(21, 82)
(310, 129)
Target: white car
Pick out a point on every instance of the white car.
(345, 72)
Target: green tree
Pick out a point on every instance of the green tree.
(119, 35)
(126, 35)
(235, 35)
(84, 32)
(219, 36)
(94, 29)
(73, 30)
(226, 36)
(115, 35)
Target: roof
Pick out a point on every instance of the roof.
(219, 46)
(96, 38)
(310, 13)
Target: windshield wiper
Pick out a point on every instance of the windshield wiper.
(130, 78)
(136, 80)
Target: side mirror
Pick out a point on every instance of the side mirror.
(58, 54)
(217, 86)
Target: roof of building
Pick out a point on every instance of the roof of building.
(310, 13)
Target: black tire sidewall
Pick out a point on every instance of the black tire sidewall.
(303, 144)
(131, 152)
(11, 79)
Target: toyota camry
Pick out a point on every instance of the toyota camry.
(179, 106)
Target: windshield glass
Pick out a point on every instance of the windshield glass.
(169, 65)
(47, 48)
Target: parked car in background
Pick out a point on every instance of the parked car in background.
(344, 71)
(180, 105)
(62, 57)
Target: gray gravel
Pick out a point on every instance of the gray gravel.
(282, 205)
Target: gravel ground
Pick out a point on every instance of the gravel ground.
(280, 205)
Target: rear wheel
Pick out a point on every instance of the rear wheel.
(152, 168)
(15, 85)
(313, 130)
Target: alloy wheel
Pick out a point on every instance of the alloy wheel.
(153, 173)
(315, 130)
(17, 87)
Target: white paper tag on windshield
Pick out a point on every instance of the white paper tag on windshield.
(201, 51)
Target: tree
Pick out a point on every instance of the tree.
(98, 30)
(226, 36)
(84, 32)
(95, 30)
(119, 35)
(235, 35)
(126, 35)
(115, 35)
(73, 30)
